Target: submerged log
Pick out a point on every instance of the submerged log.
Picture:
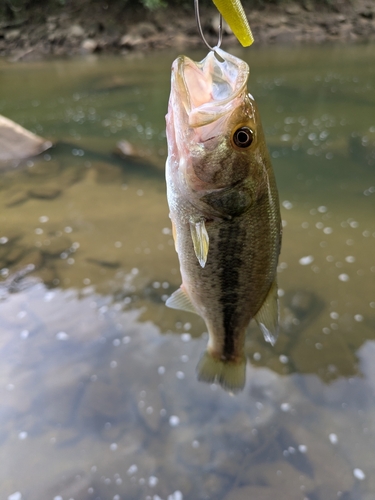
(17, 143)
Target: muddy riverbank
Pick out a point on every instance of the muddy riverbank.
(110, 28)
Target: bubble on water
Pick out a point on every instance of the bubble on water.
(15, 496)
(177, 495)
(305, 261)
(22, 435)
(113, 364)
(350, 259)
(334, 315)
(343, 277)
(257, 356)
(195, 444)
(327, 230)
(58, 497)
(185, 337)
(24, 334)
(333, 438)
(285, 407)
(133, 469)
(302, 448)
(285, 137)
(358, 317)
(359, 474)
(116, 497)
(153, 481)
(161, 370)
(283, 359)
(3, 240)
(180, 375)
(287, 204)
(174, 421)
(62, 336)
(113, 447)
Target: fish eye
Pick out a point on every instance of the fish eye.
(243, 137)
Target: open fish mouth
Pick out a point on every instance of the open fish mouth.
(208, 89)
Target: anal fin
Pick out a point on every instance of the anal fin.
(268, 315)
(200, 239)
(180, 300)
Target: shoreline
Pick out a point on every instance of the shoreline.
(68, 33)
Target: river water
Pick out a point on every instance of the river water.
(99, 399)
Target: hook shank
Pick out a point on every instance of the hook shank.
(197, 17)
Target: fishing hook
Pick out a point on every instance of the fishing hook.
(197, 17)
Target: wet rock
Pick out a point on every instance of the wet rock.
(130, 40)
(100, 403)
(279, 475)
(55, 245)
(213, 485)
(125, 149)
(106, 173)
(45, 192)
(300, 307)
(33, 258)
(61, 390)
(276, 20)
(293, 9)
(261, 493)
(16, 142)
(48, 275)
(14, 254)
(332, 474)
(12, 35)
(104, 263)
(76, 31)
(143, 30)
(89, 45)
(43, 168)
(16, 197)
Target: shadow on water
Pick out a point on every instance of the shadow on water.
(99, 398)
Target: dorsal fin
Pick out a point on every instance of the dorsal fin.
(268, 315)
(180, 300)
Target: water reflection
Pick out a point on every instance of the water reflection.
(97, 378)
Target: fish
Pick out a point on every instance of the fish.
(224, 207)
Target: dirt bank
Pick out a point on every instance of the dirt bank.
(108, 28)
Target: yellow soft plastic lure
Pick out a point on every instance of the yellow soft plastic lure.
(233, 13)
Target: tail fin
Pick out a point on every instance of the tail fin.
(229, 374)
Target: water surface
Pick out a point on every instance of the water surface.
(99, 398)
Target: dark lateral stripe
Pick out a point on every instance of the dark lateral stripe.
(229, 245)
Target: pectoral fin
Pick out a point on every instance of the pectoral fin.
(200, 239)
(180, 300)
(268, 315)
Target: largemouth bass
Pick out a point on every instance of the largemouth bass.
(224, 209)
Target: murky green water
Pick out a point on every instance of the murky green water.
(99, 398)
